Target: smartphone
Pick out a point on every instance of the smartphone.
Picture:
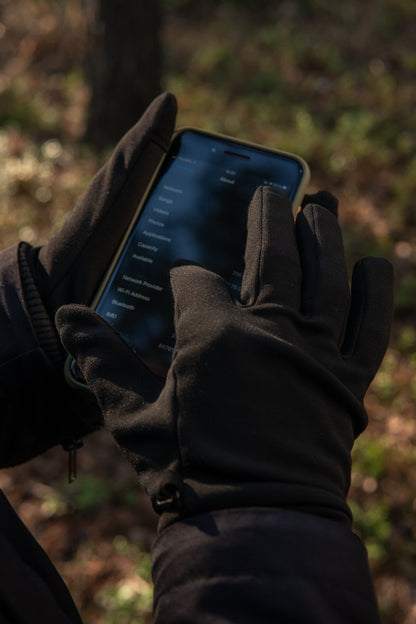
(195, 209)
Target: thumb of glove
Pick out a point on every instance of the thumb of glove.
(109, 366)
(126, 392)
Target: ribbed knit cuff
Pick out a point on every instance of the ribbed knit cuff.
(43, 328)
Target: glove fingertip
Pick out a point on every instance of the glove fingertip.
(183, 262)
(197, 288)
(69, 318)
(324, 199)
(164, 109)
(67, 311)
(96, 346)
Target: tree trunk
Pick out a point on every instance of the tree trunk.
(124, 65)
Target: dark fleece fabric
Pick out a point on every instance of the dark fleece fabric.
(38, 409)
(264, 397)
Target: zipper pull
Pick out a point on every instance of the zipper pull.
(72, 447)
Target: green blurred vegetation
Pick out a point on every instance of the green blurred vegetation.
(333, 82)
(131, 599)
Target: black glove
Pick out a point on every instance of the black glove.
(37, 408)
(264, 397)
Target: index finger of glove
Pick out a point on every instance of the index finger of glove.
(112, 370)
(272, 268)
(93, 231)
(199, 296)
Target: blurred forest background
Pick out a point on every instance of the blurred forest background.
(334, 82)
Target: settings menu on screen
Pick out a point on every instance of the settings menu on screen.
(197, 212)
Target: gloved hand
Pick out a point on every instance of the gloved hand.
(264, 397)
(37, 408)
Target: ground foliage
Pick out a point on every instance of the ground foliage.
(331, 81)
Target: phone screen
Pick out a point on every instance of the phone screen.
(196, 211)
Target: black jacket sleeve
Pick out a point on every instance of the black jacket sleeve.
(263, 566)
(30, 587)
(233, 566)
(38, 409)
